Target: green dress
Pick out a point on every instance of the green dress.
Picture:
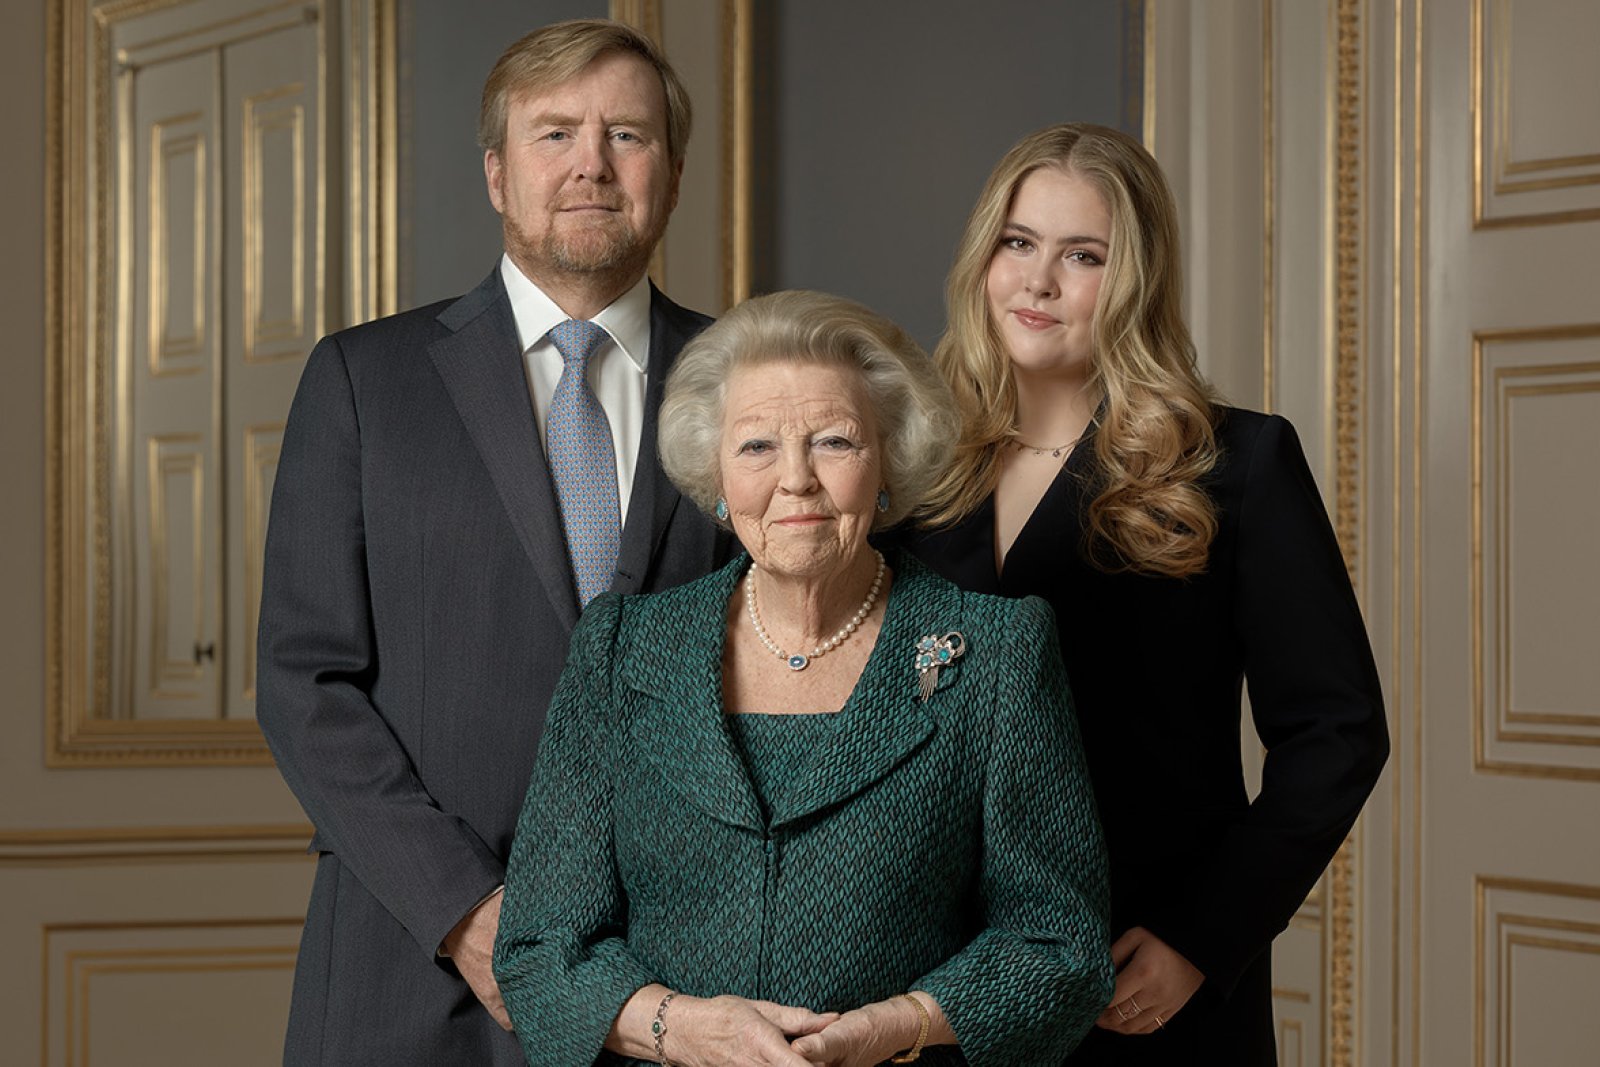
(948, 845)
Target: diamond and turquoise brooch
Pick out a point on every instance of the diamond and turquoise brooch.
(934, 652)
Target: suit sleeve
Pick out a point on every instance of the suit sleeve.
(1030, 985)
(318, 662)
(1317, 707)
(561, 960)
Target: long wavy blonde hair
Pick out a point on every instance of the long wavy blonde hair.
(1155, 438)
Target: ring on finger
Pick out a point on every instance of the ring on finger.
(1135, 1005)
(1160, 1022)
(1120, 1013)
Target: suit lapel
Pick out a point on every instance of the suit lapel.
(481, 364)
(674, 658)
(653, 498)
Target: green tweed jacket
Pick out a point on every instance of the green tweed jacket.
(949, 845)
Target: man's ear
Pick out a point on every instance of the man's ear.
(677, 179)
(494, 177)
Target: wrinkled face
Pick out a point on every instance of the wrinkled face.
(1045, 276)
(801, 466)
(584, 184)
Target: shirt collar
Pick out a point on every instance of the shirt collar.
(626, 319)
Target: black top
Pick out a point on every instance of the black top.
(1156, 667)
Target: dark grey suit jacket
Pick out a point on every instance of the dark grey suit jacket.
(416, 609)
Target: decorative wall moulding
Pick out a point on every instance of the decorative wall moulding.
(1535, 410)
(220, 192)
(1531, 165)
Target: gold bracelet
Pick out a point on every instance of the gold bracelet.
(658, 1029)
(911, 1054)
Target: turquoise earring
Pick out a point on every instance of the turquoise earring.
(883, 500)
(721, 510)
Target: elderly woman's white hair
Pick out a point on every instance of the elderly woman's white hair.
(915, 413)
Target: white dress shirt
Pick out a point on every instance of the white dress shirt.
(616, 371)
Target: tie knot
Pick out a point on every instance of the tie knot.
(577, 339)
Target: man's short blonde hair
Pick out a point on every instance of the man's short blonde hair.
(557, 53)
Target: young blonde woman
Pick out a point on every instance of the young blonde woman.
(1187, 554)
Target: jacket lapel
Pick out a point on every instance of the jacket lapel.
(674, 658)
(481, 365)
(884, 721)
(653, 498)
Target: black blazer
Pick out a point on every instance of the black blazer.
(1157, 666)
(416, 609)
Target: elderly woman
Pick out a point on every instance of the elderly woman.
(820, 807)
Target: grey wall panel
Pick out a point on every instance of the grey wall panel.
(879, 121)
(449, 232)
(876, 122)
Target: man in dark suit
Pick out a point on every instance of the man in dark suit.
(455, 483)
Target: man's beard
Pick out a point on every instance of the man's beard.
(606, 246)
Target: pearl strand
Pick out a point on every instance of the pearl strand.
(800, 661)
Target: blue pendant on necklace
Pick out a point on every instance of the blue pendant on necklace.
(797, 662)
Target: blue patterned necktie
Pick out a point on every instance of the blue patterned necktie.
(583, 463)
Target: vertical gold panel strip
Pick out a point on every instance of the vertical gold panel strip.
(114, 449)
(260, 455)
(1348, 409)
(1269, 169)
(1498, 39)
(197, 556)
(327, 100)
(1396, 559)
(156, 535)
(737, 92)
(385, 82)
(1418, 520)
(1475, 91)
(360, 212)
(1150, 76)
(1475, 558)
(1479, 975)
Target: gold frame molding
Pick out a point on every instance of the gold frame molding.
(1481, 887)
(1503, 165)
(738, 51)
(142, 845)
(82, 489)
(1477, 580)
(79, 965)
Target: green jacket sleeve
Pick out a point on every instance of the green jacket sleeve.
(1030, 985)
(561, 960)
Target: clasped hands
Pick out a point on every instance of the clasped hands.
(727, 1031)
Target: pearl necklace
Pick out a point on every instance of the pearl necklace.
(799, 661)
